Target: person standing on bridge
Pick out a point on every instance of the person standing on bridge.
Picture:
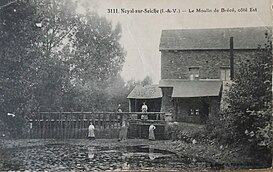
(119, 108)
(151, 132)
(144, 107)
(91, 131)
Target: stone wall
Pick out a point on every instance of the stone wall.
(175, 65)
(167, 101)
(185, 104)
(179, 107)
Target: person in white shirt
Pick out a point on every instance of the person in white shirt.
(151, 132)
(144, 107)
(91, 131)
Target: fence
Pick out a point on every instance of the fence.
(64, 125)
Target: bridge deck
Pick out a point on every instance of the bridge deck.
(75, 124)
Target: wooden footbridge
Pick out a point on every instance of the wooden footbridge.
(65, 125)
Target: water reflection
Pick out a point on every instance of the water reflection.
(151, 153)
(125, 165)
(97, 158)
(91, 153)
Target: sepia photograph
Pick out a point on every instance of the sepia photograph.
(135, 85)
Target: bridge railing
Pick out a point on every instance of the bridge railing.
(75, 124)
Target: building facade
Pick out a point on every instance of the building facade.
(196, 62)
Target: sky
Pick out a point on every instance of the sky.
(141, 32)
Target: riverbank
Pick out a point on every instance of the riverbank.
(224, 157)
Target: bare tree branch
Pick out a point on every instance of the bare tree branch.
(9, 3)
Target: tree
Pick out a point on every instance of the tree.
(48, 62)
(17, 63)
(56, 22)
(97, 57)
(117, 94)
(32, 37)
(147, 81)
(250, 98)
(98, 53)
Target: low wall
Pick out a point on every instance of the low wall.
(141, 131)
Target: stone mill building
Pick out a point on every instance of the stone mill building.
(196, 65)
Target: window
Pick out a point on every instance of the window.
(225, 73)
(193, 73)
(194, 112)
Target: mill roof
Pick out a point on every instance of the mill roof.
(214, 39)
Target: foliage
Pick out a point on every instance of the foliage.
(52, 58)
(248, 118)
(185, 132)
(117, 94)
(17, 62)
(96, 59)
(147, 81)
(217, 129)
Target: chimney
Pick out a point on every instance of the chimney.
(231, 59)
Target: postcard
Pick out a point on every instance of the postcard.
(135, 85)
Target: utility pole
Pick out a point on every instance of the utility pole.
(231, 59)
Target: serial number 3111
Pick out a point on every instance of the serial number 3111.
(112, 10)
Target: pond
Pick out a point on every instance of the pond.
(66, 157)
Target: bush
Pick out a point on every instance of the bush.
(218, 130)
(185, 132)
(248, 119)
